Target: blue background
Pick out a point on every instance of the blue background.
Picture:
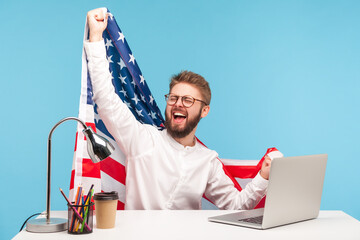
(283, 74)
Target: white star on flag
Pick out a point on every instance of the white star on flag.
(122, 79)
(121, 37)
(109, 59)
(151, 99)
(121, 64)
(142, 79)
(142, 98)
(136, 99)
(127, 104)
(139, 112)
(96, 118)
(108, 44)
(123, 92)
(153, 115)
(132, 58)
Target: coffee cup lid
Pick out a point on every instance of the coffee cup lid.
(106, 196)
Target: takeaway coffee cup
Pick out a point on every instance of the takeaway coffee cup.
(105, 209)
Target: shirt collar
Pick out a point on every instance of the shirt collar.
(177, 145)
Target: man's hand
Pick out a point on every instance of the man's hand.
(265, 168)
(97, 21)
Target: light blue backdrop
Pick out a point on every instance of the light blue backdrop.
(283, 74)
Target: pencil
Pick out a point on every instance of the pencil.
(80, 209)
(86, 209)
(87, 196)
(73, 216)
(91, 193)
(75, 212)
(78, 198)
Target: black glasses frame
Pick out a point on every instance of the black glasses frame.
(187, 97)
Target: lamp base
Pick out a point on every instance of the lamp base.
(41, 225)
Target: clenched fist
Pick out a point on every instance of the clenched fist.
(97, 21)
(265, 168)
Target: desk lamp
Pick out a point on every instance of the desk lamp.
(98, 148)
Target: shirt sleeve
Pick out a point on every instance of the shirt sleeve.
(118, 119)
(222, 192)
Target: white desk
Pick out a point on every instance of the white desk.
(194, 225)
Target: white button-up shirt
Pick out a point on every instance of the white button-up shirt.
(160, 172)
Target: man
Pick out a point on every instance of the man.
(166, 169)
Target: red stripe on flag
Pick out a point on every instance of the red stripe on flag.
(76, 137)
(72, 179)
(236, 184)
(243, 171)
(92, 125)
(248, 171)
(261, 204)
(114, 169)
(120, 206)
(90, 169)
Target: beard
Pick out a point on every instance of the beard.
(177, 131)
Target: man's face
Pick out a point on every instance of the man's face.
(179, 120)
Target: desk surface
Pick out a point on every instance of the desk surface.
(194, 225)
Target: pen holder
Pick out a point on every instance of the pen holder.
(81, 221)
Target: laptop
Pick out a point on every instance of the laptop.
(293, 194)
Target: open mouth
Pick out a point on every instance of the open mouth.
(179, 117)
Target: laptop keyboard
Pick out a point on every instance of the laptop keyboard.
(256, 220)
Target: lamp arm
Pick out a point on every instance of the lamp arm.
(49, 162)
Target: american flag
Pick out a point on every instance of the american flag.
(131, 87)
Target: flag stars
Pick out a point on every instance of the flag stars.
(151, 99)
(133, 83)
(142, 79)
(127, 104)
(121, 37)
(96, 118)
(109, 59)
(121, 64)
(108, 43)
(136, 99)
(139, 112)
(132, 58)
(122, 79)
(123, 92)
(142, 98)
(152, 114)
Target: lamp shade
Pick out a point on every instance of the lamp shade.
(98, 147)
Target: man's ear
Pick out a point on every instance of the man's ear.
(204, 111)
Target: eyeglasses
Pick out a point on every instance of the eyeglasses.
(187, 100)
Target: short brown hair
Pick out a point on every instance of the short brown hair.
(194, 79)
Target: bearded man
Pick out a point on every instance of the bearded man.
(166, 169)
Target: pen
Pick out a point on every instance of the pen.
(76, 212)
